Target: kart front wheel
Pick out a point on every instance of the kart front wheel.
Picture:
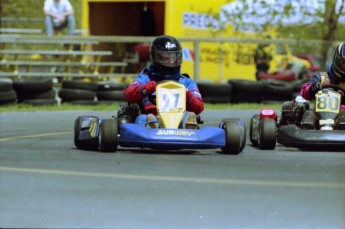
(108, 135)
(268, 132)
(233, 136)
(85, 144)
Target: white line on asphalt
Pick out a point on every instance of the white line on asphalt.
(305, 184)
(33, 136)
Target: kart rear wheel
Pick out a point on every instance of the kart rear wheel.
(255, 118)
(268, 132)
(233, 136)
(86, 145)
(108, 135)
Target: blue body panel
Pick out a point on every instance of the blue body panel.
(134, 135)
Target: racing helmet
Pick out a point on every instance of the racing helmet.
(338, 63)
(166, 54)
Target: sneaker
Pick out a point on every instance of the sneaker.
(151, 121)
(191, 122)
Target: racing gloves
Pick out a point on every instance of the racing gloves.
(149, 87)
(314, 88)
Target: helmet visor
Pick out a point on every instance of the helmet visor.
(339, 63)
(169, 58)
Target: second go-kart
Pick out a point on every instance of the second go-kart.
(301, 126)
(91, 132)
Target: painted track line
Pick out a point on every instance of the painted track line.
(180, 179)
(33, 136)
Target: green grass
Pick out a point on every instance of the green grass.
(115, 105)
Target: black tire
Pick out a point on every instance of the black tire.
(111, 86)
(246, 91)
(215, 99)
(6, 84)
(108, 135)
(82, 102)
(8, 97)
(276, 90)
(251, 131)
(268, 134)
(33, 84)
(77, 84)
(215, 92)
(67, 94)
(233, 139)
(39, 102)
(85, 145)
(214, 89)
(111, 96)
(22, 95)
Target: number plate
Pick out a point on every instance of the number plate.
(328, 102)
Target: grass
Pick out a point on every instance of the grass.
(115, 105)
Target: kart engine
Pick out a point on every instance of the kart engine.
(292, 112)
(127, 113)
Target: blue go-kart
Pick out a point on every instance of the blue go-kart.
(93, 133)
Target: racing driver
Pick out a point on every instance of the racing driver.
(166, 61)
(335, 75)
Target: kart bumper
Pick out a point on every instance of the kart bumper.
(133, 135)
(293, 136)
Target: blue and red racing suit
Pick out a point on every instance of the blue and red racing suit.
(134, 92)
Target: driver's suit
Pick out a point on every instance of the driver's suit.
(328, 77)
(134, 94)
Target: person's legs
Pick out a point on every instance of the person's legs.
(59, 27)
(141, 119)
(49, 25)
(71, 24)
(189, 121)
(149, 120)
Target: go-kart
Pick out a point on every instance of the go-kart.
(92, 132)
(300, 126)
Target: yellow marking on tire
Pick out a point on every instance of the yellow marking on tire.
(32, 136)
(301, 184)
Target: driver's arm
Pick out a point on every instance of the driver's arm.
(194, 100)
(140, 87)
(305, 90)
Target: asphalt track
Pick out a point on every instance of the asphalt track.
(45, 182)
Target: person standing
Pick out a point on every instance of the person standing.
(262, 58)
(58, 15)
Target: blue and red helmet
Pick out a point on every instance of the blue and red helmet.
(338, 63)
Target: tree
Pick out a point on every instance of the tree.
(305, 21)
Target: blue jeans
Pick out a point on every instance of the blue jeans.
(141, 120)
(50, 27)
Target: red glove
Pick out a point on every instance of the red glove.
(149, 87)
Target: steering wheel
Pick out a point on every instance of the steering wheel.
(152, 98)
(334, 87)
